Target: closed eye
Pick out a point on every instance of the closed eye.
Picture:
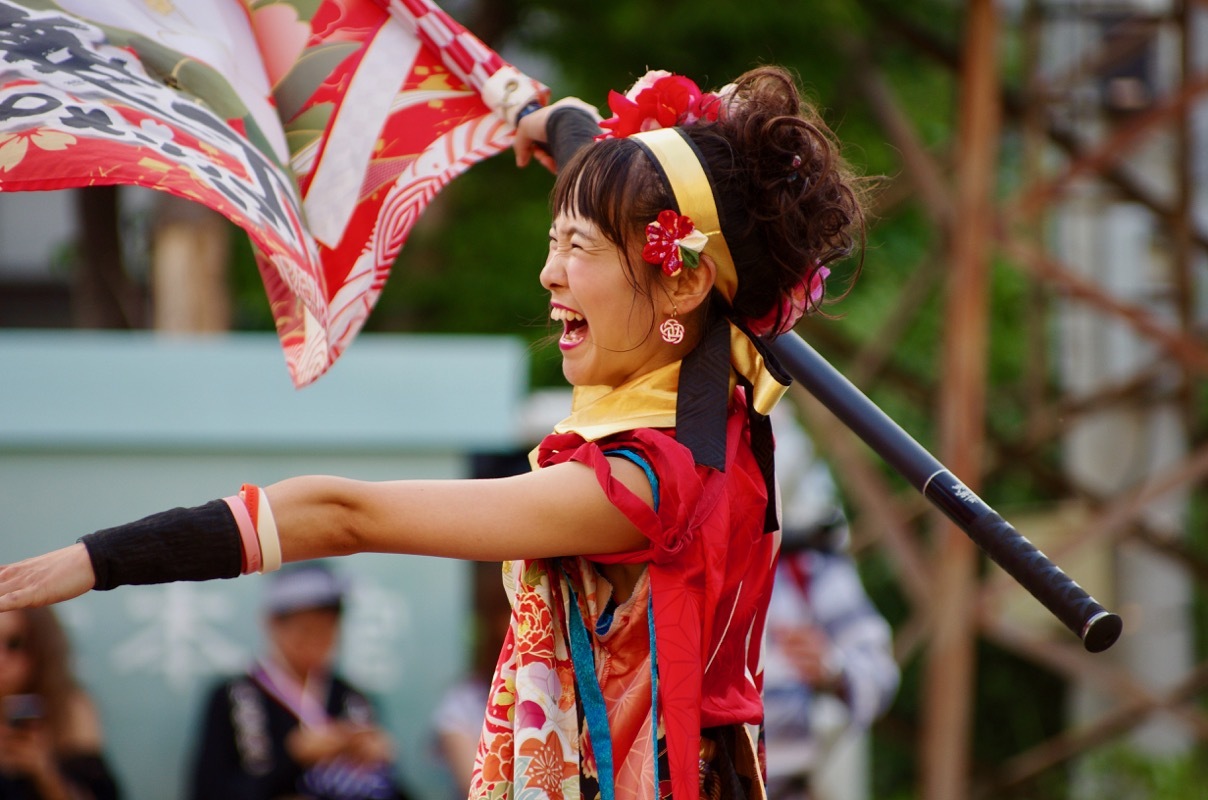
(564, 246)
(576, 237)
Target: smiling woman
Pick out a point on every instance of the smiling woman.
(608, 327)
(639, 552)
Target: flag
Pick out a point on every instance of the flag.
(323, 129)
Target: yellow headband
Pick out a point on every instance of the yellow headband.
(680, 163)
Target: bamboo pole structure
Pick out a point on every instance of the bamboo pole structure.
(1069, 145)
(949, 671)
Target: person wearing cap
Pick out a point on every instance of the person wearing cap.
(290, 727)
(829, 669)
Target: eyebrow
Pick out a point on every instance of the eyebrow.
(572, 230)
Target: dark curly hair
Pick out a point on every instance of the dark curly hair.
(787, 199)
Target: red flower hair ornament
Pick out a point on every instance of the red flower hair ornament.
(672, 242)
(658, 100)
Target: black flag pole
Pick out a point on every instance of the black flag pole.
(1092, 623)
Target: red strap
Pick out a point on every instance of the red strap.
(800, 572)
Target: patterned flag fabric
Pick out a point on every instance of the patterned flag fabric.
(323, 128)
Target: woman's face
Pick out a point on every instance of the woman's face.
(608, 329)
(306, 640)
(15, 663)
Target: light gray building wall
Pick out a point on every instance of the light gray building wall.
(101, 428)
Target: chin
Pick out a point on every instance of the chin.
(575, 374)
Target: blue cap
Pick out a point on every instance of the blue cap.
(304, 588)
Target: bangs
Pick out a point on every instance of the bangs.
(612, 184)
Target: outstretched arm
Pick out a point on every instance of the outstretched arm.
(51, 578)
(556, 511)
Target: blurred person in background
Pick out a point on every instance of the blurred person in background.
(830, 670)
(50, 732)
(457, 720)
(290, 727)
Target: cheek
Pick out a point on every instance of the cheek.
(14, 675)
(642, 322)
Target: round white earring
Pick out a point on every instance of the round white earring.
(672, 330)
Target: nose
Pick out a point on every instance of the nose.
(553, 273)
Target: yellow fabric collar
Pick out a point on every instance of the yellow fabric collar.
(648, 401)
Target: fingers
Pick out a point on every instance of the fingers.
(530, 136)
(546, 160)
(371, 746)
(51, 578)
(536, 153)
(525, 156)
(531, 133)
(524, 147)
(340, 739)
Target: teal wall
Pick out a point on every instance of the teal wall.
(98, 429)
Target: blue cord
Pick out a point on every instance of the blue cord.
(590, 694)
(637, 458)
(591, 697)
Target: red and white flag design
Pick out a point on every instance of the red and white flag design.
(322, 129)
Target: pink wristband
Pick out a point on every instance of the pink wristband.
(247, 534)
(266, 527)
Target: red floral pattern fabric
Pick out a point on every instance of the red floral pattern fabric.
(709, 574)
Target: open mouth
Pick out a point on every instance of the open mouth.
(574, 325)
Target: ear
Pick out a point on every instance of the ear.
(691, 287)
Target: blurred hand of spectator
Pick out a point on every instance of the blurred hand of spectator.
(28, 751)
(810, 650)
(360, 744)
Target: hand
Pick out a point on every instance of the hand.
(360, 744)
(809, 649)
(369, 746)
(308, 745)
(531, 133)
(51, 578)
(26, 751)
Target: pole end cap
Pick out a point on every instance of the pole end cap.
(1101, 631)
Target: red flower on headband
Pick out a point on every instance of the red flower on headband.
(658, 100)
(673, 241)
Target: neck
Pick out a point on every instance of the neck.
(276, 661)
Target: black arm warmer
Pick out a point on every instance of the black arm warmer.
(183, 544)
(568, 129)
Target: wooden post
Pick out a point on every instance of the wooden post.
(949, 671)
(190, 254)
(103, 294)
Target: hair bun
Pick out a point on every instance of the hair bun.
(789, 202)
